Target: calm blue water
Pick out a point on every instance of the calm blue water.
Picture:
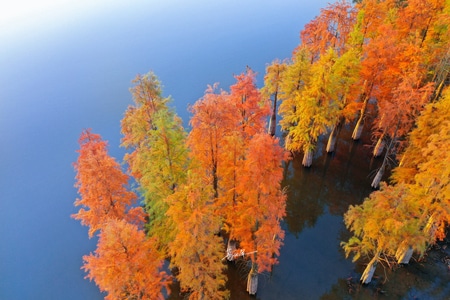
(56, 80)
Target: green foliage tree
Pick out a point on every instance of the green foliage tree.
(158, 159)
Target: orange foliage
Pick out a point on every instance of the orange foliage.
(126, 264)
(211, 122)
(330, 29)
(261, 202)
(102, 186)
(252, 109)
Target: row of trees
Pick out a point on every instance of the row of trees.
(223, 177)
(414, 211)
(391, 53)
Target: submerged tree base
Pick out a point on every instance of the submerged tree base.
(252, 283)
(307, 158)
(404, 254)
(367, 275)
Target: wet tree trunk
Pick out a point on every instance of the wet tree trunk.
(307, 158)
(356, 135)
(430, 228)
(273, 117)
(379, 147)
(331, 145)
(404, 254)
(252, 280)
(231, 248)
(376, 181)
(367, 275)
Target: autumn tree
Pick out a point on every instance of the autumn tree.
(331, 29)
(296, 76)
(414, 212)
(158, 159)
(222, 125)
(126, 264)
(272, 88)
(252, 108)
(399, 115)
(424, 166)
(314, 109)
(261, 202)
(211, 122)
(196, 249)
(383, 222)
(102, 186)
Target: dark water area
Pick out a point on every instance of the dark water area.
(63, 74)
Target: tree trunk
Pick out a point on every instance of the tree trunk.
(331, 145)
(231, 248)
(252, 282)
(273, 118)
(430, 228)
(367, 275)
(376, 181)
(404, 254)
(356, 135)
(379, 147)
(307, 158)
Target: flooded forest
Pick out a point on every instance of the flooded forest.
(330, 179)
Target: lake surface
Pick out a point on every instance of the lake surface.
(61, 75)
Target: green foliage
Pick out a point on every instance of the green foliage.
(158, 159)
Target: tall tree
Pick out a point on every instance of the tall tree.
(399, 116)
(102, 186)
(316, 109)
(126, 264)
(260, 205)
(295, 78)
(158, 158)
(212, 121)
(272, 88)
(196, 249)
(424, 166)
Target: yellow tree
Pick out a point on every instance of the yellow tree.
(102, 186)
(383, 222)
(424, 166)
(315, 108)
(272, 88)
(196, 249)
